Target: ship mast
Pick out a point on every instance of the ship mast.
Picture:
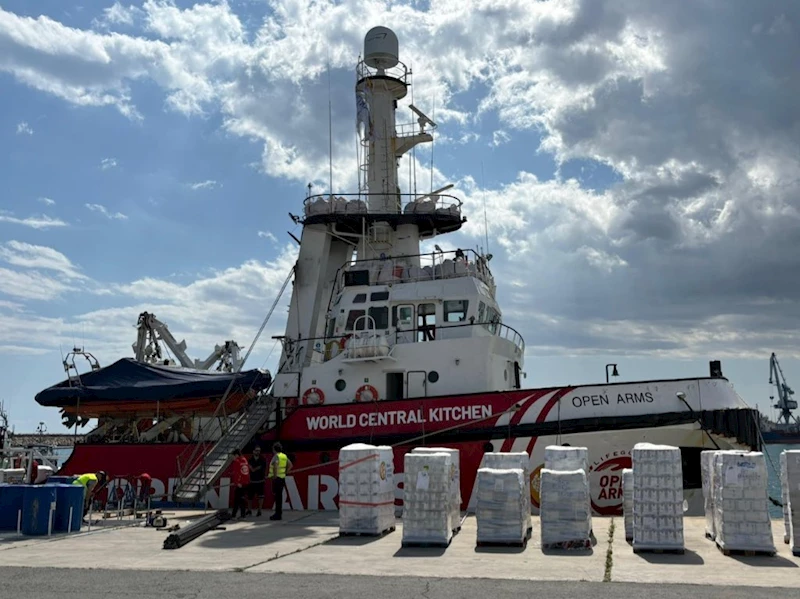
(382, 80)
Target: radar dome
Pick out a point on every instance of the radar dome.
(380, 48)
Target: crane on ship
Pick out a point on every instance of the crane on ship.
(152, 333)
(786, 405)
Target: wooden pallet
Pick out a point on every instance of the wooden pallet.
(523, 543)
(569, 545)
(746, 552)
(382, 533)
(660, 551)
(425, 545)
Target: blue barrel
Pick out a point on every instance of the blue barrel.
(10, 504)
(36, 502)
(60, 480)
(68, 496)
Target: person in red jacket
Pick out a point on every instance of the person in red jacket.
(241, 480)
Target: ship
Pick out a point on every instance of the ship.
(388, 341)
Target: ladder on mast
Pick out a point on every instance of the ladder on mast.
(199, 469)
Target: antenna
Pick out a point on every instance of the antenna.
(485, 220)
(330, 127)
(433, 112)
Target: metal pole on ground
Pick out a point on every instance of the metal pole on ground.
(50, 520)
(69, 526)
(19, 522)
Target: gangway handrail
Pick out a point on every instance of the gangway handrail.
(194, 449)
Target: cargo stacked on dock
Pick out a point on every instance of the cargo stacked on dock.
(627, 502)
(564, 458)
(566, 510)
(366, 489)
(790, 463)
(455, 481)
(707, 477)
(503, 508)
(657, 498)
(787, 525)
(741, 514)
(510, 460)
(427, 513)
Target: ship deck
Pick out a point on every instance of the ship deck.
(307, 543)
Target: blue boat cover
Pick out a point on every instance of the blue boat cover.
(127, 380)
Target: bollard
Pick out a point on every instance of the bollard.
(69, 526)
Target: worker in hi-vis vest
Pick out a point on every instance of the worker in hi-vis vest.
(279, 467)
(91, 484)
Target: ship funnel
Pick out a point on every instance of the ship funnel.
(381, 48)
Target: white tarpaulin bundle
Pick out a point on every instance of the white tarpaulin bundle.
(503, 509)
(510, 460)
(566, 509)
(427, 515)
(366, 489)
(790, 462)
(455, 480)
(557, 457)
(741, 511)
(657, 497)
(627, 502)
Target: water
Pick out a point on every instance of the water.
(773, 456)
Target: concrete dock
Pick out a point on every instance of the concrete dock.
(309, 543)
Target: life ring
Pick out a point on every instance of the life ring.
(309, 399)
(367, 393)
(343, 341)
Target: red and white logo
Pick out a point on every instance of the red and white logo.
(605, 482)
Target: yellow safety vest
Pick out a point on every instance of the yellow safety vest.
(84, 479)
(283, 461)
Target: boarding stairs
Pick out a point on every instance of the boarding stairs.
(208, 470)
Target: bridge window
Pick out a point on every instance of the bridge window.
(426, 322)
(455, 310)
(379, 296)
(352, 317)
(481, 311)
(360, 298)
(380, 314)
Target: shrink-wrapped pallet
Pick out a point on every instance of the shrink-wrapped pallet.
(787, 526)
(657, 498)
(503, 509)
(510, 460)
(366, 489)
(455, 480)
(741, 512)
(557, 457)
(706, 475)
(427, 515)
(791, 459)
(627, 502)
(565, 511)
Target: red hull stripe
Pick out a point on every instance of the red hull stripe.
(545, 411)
(508, 443)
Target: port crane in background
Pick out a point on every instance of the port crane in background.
(786, 405)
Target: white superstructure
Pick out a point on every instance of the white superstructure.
(370, 316)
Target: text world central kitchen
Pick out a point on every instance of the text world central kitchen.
(399, 417)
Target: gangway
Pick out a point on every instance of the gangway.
(199, 469)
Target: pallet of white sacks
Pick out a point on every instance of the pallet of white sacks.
(426, 544)
(368, 533)
(523, 543)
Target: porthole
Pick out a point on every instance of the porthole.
(433, 376)
(340, 385)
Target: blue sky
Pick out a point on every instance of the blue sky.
(638, 212)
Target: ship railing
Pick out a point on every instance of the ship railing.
(403, 269)
(327, 348)
(355, 204)
(399, 71)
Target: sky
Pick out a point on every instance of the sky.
(637, 160)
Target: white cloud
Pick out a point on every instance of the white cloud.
(208, 184)
(268, 235)
(30, 285)
(499, 138)
(105, 212)
(34, 222)
(27, 255)
(117, 14)
(24, 128)
(107, 163)
(47, 201)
